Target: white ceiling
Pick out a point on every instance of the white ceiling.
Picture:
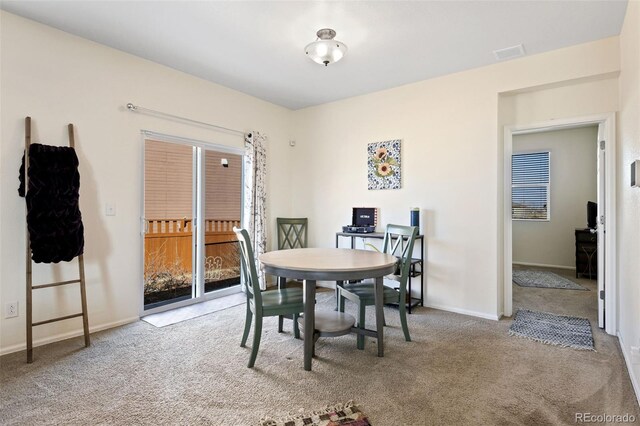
(258, 47)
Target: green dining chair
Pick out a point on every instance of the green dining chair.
(281, 302)
(398, 241)
(292, 232)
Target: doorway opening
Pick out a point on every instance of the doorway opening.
(192, 200)
(546, 228)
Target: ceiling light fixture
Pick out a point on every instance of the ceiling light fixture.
(325, 49)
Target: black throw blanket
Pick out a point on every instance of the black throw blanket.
(53, 214)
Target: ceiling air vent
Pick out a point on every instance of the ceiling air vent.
(509, 52)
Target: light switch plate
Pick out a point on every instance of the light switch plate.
(110, 209)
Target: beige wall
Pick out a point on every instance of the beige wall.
(573, 183)
(57, 78)
(629, 198)
(451, 129)
(452, 164)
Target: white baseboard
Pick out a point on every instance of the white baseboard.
(632, 375)
(494, 317)
(64, 336)
(541, 265)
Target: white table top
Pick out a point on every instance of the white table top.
(327, 259)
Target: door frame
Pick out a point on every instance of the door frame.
(606, 123)
(196, 298)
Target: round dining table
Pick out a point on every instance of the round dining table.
(331, 264)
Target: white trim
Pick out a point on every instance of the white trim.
(611, 286)
(630, 370)
(143, 226)
(541, 265)
(148, 134)
(477, 314)
(197, 211)
(67, 335)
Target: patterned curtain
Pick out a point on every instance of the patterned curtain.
(255, 195)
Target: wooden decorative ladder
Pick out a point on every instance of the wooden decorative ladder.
(30, 286)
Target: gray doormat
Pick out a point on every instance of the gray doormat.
(543, 279)
(560, 330)
(341, 414)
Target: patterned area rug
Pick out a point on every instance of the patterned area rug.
(572, 332)
(543, 279)
(343, 414)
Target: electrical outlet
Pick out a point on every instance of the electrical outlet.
(11, 310)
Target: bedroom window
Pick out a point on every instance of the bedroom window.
(530, 186)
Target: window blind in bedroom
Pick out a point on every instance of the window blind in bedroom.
(530, 186)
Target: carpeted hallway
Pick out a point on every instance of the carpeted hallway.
(459, 370)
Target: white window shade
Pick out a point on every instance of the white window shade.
(530, 186)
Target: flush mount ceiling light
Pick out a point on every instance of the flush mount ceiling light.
(325, 49)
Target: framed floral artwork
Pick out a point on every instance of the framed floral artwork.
(383, 165)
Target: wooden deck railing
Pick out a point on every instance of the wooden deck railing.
(184, 225)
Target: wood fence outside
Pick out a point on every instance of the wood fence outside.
(168, 244)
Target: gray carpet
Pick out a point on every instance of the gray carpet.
(457, 370)
(543, 279)
(557, 330)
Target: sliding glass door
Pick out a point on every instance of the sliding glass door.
(169, 183)
(222, 202)
(192, 201)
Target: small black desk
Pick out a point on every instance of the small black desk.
(586, 253)
(415, 262)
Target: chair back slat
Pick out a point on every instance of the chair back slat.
(398, 241)
(292, 233)
(251, 284)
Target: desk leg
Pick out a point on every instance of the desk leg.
(338, 284)
(309, 321)
(380, 315)
(422, 272)
(409, 290)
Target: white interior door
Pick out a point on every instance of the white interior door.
(601, 222)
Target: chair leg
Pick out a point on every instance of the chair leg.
(247, 327)
(361, 313)
(280, 323)
(296, 327)
(257, 332)
(402, 308)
